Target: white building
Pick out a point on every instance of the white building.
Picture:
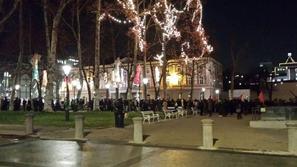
(207, 79)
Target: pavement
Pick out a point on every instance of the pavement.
(229, 133)
(187, 132)
(48, 153)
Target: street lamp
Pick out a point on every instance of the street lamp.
(217, 91)
(66, 70)
(145, 82)
(17, 88)
(202, 93)
(107, 87)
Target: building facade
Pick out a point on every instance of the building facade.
(286, 71)
(206, 75)
(207, 78)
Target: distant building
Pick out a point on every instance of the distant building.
(286, 71)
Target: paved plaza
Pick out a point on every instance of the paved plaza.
(183, 133)
(187, 132)
(46, 153)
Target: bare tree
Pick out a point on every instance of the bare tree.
(97, 57)
(76, 31)
(16, 74)
(236, 53)
(51, 43)
(9, 13)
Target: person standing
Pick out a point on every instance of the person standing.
(24, 104)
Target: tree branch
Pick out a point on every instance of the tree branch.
(10, 12)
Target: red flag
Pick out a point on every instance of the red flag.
(136, 80)
(261, 97)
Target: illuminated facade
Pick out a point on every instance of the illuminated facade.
(286, 71)
(207, 82)
(207, 79)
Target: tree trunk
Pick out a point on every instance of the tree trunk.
(51, 57)
(57, 89)
(79, 52)
(16, 74)
(144, 75)
(192, 80)
(164, 69)
(87, 83)
(154, 80)
(133, 70)
(97, 59)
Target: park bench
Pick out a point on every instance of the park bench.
(172, 112)
(181, 112)
(149, 115)
(194, 110)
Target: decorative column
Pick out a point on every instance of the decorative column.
(79, 126)
(292, 137)
(207, 134)
(29, 123)
(138, 136)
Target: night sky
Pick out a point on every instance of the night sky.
(266, 29)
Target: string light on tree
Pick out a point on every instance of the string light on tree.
(139, 20)
(159, 58)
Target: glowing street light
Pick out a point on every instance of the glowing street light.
(17, 87)
(217, 91)
(66, 69)
(145, 81)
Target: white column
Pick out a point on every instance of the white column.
(79, 126)
(29, 123)
(207, 134)
(292, 137)
(138, 136)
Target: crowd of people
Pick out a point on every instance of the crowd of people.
(204, 107)
(22, 104)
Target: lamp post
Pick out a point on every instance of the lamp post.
(67, 69)
(107, 86)
(203, 92)
(17, 88)
(217, 91)
(145, 82)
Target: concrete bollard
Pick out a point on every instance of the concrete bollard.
(292, 137)
(138, 136)
(207, 134)
(79, 126)
(29, 123)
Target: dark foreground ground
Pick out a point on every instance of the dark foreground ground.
(67, 153)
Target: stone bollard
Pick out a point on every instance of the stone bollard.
(79, 126)
(207, 134)
(138, 136)
(29, 123)
(292, 137)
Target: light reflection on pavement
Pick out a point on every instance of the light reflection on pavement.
(68, 154)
